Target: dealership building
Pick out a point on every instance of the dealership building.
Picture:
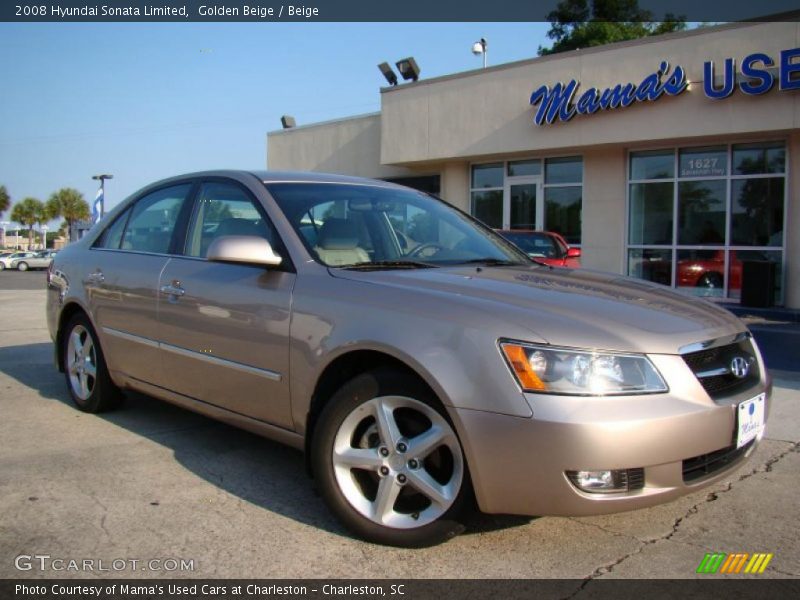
(673, 158)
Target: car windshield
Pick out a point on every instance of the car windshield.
(535, 244)
(350, 225)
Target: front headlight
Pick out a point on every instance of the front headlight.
(553, 370)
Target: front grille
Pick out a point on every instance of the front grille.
(708, 464)
(635, 479)
(712, 367)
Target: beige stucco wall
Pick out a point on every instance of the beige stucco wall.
(455, 184)
(488, 113)
(603, 209)
(348, 146)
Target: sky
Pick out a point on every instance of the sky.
(148, 101)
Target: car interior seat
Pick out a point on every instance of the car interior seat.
(337, 243)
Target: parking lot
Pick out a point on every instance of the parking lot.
(153, 481)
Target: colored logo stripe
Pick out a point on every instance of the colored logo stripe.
(711, 562)
(758, 563)
(734, 563)
(720, 562)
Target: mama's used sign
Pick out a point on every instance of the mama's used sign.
(756, 77)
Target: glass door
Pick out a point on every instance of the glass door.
(522, 204)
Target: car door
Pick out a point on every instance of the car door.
(121, 280)
(224, 328)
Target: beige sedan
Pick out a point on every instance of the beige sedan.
(421, 362)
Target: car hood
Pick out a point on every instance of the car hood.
(568, 307)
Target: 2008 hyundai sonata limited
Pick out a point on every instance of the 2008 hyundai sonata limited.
(420, 361)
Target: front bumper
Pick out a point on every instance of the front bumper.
(518, 464)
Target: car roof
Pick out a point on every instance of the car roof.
(284, 177)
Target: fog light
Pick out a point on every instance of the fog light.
(607, 481)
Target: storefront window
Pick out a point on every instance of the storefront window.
(653, 265)
(729, 205)
(487, 176)
(519, 168)
(754, 159)
(521, 194)
(659, 164)
(563, 170)
(703, 162)
(651, 213)
(757, 212)
(736, 267)
(701, 212)
(487, 207)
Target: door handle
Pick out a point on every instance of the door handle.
(96, 277)
(173, 289)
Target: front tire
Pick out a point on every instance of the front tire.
(23, 266)
(85, 368)
(389, 463)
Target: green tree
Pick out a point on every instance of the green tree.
(5, 200)
(585, 23)
(28, 212)
(69, 204)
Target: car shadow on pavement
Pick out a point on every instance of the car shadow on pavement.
(255, 469)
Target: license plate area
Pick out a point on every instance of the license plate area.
(750, 420)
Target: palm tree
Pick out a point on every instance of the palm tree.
(28, 212)
(69, 204)
(5, 202)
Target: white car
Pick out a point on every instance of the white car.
(40, 260)
(6, 262)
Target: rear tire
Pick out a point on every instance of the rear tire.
(389, 463)
(23, 266)
(710, 281)
(85, 369)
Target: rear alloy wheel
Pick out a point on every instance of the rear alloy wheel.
(710, 281)
(23, 266)
(85, 369)
(389, 463)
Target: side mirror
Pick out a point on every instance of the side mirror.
(244, 249)
(573, 252)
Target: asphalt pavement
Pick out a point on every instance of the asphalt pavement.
(152, 481)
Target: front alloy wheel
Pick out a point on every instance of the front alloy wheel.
(389, 462)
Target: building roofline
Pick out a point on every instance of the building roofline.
(652, 39)
(323, 123)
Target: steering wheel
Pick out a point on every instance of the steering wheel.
(417, 252)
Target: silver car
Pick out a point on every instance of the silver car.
(8, 260)
(422, 363)
(39, 260)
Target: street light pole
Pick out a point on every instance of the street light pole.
(44, 229)
(102, 178)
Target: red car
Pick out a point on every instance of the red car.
(544, 246)
(707, 268)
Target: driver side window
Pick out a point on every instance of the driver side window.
(225, 209)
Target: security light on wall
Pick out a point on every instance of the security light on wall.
(479, 48)
(388, 73)
(288, 121)
(408, 68)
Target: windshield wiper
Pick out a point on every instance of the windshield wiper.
(492, 262)
(377, 265)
